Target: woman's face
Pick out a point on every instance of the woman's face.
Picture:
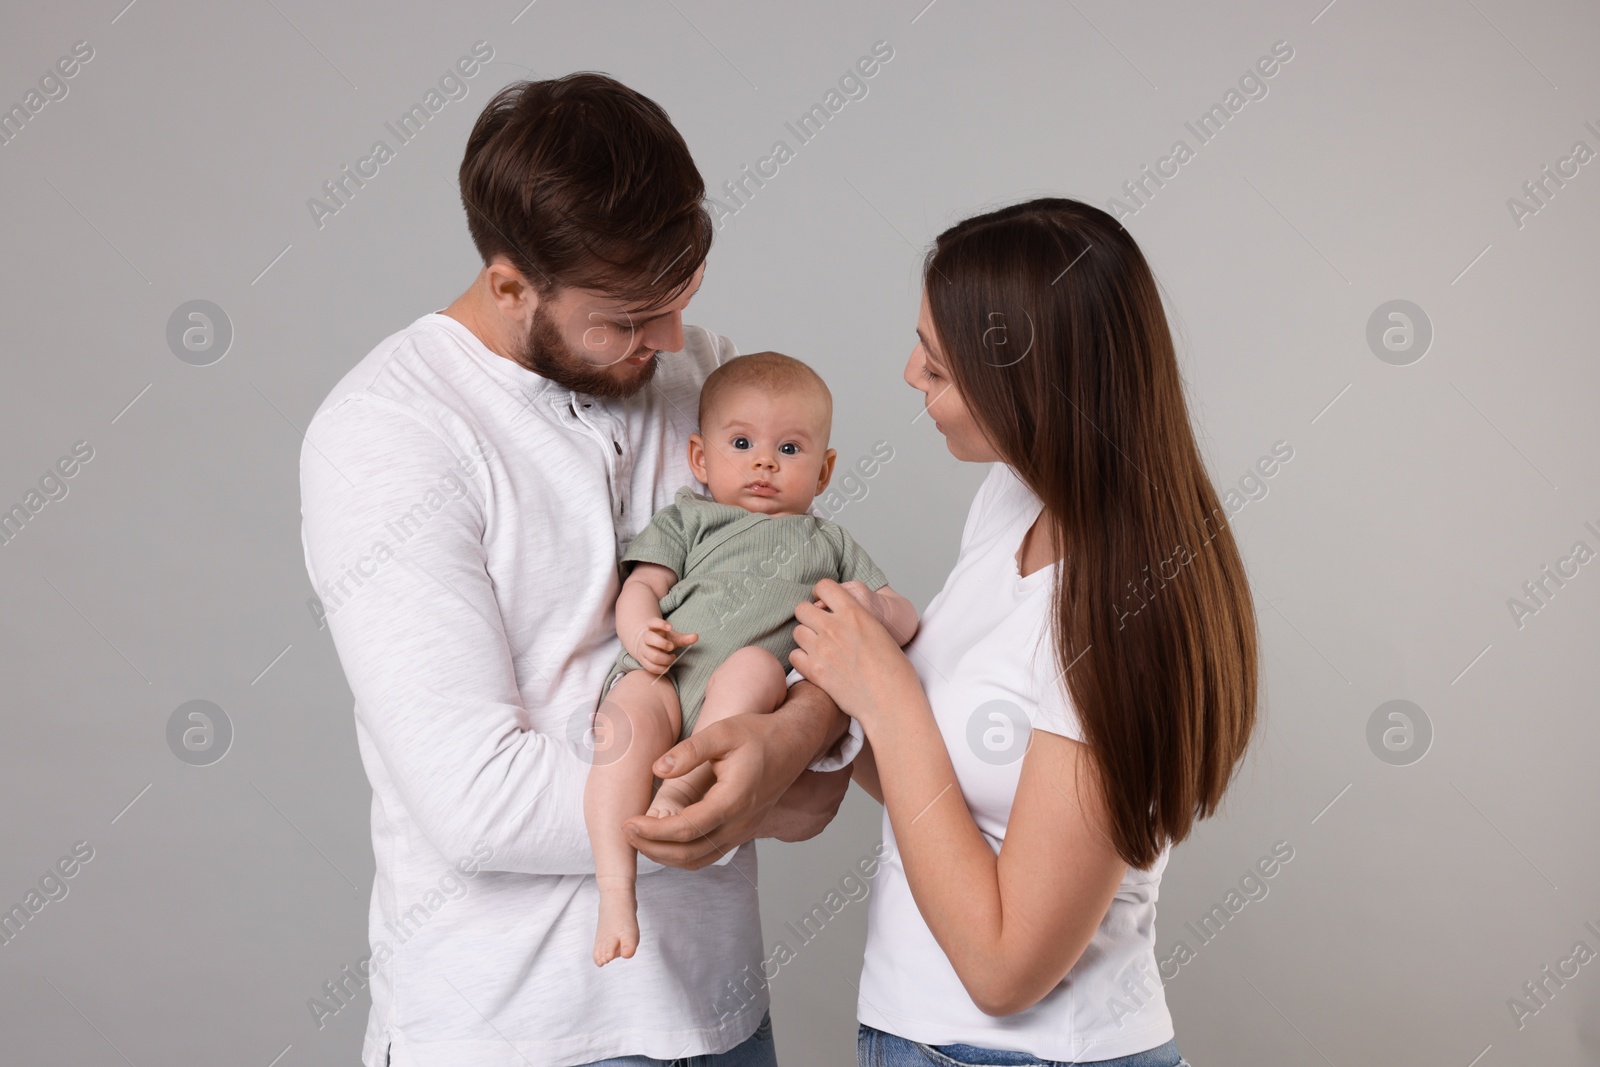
(928, 372)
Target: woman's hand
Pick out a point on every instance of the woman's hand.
(844, 648)
(863, 596)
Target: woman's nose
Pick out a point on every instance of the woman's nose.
(909, 374)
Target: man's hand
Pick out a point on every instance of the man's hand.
(808, 806)
(756, 758)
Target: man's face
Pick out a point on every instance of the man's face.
(595, 344)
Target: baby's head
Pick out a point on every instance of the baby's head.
(763, 440)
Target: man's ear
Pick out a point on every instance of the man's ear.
(827, 470)
(509, 290)
(697, 457)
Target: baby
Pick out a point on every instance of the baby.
(706, 614)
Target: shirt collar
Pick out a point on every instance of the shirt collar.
(524, 381)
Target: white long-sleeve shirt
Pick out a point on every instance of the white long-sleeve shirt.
(462, 520)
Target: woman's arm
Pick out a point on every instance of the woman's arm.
(1012, 924)
(864, 770)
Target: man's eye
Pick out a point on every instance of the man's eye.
(789, 448)
(741, 443)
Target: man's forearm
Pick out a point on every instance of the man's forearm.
(815, 720)
(807, 806)
(811, 802)
(761, 759)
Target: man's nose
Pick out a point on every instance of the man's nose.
(664, 334)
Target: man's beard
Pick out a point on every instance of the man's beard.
(545, 352)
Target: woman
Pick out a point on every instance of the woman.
(1086, 679)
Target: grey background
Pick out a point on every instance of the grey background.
(1420, 897)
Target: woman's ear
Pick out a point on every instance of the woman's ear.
(697, 457)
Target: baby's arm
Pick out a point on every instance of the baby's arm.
(648, 637)
(898, 615)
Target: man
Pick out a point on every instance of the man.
(467, 490)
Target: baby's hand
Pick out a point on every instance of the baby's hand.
(656, 646)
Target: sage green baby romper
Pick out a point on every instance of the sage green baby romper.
(740, 575)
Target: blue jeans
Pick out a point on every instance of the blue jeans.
(754, 1051)
(875, 1048)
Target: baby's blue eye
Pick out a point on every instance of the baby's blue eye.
(789, 448)
(741, 443)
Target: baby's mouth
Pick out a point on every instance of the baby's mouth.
(762, 489)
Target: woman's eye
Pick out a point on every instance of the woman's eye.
(928, 374)
(741, 443)
(789, 448)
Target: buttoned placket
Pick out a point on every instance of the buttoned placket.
(605, 428)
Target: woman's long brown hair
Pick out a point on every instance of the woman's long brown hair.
(1051, 326)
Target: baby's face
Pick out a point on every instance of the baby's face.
(764, 452)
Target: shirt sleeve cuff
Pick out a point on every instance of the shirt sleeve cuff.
(650, 866)
(845, 750)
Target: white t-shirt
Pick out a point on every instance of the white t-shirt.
(462, 522)
(984, 657)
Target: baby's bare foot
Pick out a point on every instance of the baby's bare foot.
(670, 800)
(617, 932)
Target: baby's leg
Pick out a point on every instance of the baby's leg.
(749, 681)
(637, 721)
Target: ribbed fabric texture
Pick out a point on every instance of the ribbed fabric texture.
(740, 575)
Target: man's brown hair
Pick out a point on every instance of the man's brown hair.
(771, 371)
(582, 182)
